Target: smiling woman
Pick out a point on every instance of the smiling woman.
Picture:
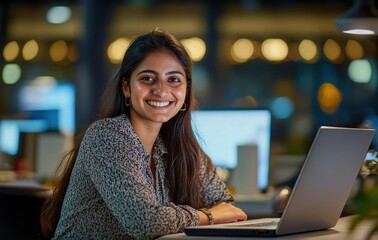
(138, 171)
(157, 90)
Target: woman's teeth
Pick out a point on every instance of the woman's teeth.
(158, 104)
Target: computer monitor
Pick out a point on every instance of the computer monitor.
(11, 129)
(220, 132)
(53, 103)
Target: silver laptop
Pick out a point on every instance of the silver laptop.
(320, 193)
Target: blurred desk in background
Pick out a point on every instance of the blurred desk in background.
(21, 203)
(25, 187)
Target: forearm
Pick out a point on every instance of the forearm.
(203, 219)
(221, 213)
(168, 220)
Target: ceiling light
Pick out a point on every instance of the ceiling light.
(361, 19)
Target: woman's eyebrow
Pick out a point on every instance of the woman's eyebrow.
(174, 72)
(156, 73)
(147, 71)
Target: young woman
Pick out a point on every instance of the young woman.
(138, 172)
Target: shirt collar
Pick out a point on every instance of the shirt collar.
(159, 146)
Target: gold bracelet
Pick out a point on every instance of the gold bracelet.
(209, 215)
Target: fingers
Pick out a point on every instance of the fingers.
(240, 214)
(225, 212)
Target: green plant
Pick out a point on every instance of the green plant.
(365, 202)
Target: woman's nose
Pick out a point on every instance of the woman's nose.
(160, 89)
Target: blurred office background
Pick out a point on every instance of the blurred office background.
(288, 56)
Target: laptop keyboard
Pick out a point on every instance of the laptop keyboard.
(262, 224)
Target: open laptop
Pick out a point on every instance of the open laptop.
(320, 193)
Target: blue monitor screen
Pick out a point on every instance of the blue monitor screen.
(11, 129)
(219, 132)
(53, 103)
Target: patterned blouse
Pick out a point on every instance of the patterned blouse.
(111, 193)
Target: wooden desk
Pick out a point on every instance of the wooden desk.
(339, 232)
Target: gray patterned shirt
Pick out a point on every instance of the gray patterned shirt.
(111, 193)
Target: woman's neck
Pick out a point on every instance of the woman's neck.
(147, 133)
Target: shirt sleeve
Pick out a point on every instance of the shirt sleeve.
(119, 172)
(214, 189)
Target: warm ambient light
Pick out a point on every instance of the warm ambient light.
(274, 49)
(11, 51)
(353, 49)
(196, 48)
(242, 50)
(58, 51)
(30, 50)
(72, 53)
(46, 81)
(332, 50)
(329, 98)
(245, 102)
(117, 49)
(308, 50)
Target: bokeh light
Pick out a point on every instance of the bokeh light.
(11, 73)
(274, 49)
(282, 107)
(242, 50)
(353, 49)
(332, 50)
(308, 50)
(11, 51)
(360, 71)
(47, 81)
(72, 53)
(58, 14)
(30, 50)
(117, 49)
(58, 51)
(196, 48)
(329, 98)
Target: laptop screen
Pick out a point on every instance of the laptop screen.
(219, 132)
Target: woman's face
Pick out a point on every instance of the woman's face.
(157, 88)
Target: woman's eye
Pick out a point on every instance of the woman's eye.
(147, 79)
(174, 80)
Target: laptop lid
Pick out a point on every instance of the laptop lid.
(326, 179)
(322, 188)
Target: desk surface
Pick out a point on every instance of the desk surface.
(339, 232)
(25, 187)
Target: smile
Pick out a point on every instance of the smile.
(158, 104)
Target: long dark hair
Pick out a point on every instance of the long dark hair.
(184, 153)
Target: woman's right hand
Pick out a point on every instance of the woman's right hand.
(223, 213)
